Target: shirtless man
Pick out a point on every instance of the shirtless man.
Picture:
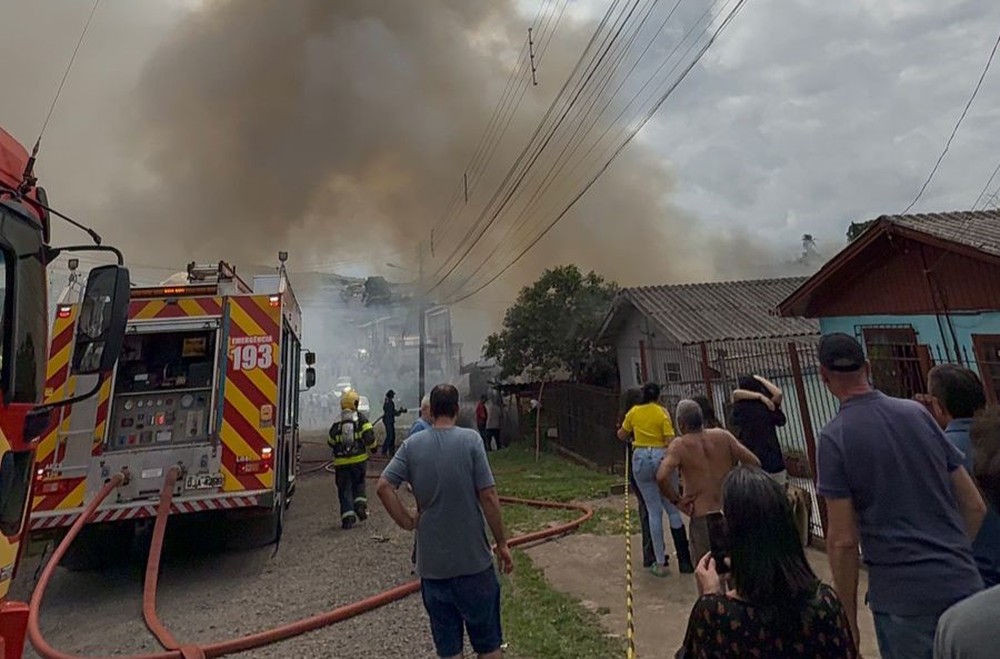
(704, 457)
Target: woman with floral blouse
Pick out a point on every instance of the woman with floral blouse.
(775, 605)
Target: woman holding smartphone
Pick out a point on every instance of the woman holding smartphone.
(776, 606)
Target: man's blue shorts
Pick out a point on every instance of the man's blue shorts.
(471, 602)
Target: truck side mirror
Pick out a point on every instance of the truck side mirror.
(310, 377)
(103, 315)
(310, 358)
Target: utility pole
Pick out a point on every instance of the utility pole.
(422, 322)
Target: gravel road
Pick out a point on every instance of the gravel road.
(207, 596)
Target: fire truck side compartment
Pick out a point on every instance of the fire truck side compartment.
(163, 392)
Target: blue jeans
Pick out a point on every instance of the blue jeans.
(470, 603)
(905, 637)
(645, 462)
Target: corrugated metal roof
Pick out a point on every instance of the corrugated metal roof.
(722, 311)
(977, 229)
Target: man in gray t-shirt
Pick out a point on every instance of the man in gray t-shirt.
(454, 488)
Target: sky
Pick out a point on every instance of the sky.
(804, 117)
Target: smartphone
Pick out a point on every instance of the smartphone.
(718, 541)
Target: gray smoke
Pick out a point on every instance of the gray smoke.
(341, 129)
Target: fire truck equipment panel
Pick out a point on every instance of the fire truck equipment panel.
(163, 390)
(177, 417)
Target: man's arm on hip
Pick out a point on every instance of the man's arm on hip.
(389, 496)
(665, 471)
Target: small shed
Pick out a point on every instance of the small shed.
(666, 333)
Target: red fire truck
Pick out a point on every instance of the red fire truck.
(208, 380)
(25, 253)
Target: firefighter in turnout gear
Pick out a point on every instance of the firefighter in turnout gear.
(351, 438)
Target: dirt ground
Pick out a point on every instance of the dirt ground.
(592, 569)
(206, 595)
(209, 596)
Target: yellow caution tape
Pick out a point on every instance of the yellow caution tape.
(629, 605)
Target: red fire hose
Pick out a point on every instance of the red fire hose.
(176, 650)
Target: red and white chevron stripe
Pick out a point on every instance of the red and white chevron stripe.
(140, 510)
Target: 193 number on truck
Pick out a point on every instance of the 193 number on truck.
(252, 356)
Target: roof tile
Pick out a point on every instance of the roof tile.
(722, 311)
(977, 229)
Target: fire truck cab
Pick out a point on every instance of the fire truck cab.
(25, 410)
(208, 380)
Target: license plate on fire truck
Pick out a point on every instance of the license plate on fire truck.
(203, 482)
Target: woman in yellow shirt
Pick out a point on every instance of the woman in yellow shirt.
(651, 430)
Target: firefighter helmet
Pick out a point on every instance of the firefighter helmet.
(349, 400)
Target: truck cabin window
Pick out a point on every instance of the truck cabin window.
(24, 282)
(6, 318)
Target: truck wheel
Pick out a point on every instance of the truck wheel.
(253, 532)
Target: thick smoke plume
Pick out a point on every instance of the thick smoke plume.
(339, 130)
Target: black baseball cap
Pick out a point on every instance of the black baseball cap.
(841, 352)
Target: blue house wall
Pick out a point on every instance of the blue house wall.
(926, 327)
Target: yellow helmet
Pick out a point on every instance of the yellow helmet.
(349, 400)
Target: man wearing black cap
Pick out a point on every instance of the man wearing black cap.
(892, 480)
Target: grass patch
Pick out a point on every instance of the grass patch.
(609, 522)
(542, 622)
(552, 478)
(521, 520)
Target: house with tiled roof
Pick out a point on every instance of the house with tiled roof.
(915, 290)
(686, 333)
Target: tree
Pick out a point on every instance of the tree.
(856, 229)
(553, 326)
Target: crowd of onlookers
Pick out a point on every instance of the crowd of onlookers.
(903, 482)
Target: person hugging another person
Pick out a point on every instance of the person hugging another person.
(757, 416)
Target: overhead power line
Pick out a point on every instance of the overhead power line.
(632, 133)
(965, 111)
(984, 196)
(578, 138)
(524, 162)
(530, 210)
(503, 114)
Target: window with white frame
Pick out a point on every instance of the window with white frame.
(672, 372)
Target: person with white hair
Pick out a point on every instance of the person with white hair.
(423, 421)
(704, 457)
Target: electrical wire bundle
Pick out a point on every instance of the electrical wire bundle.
(636, 58)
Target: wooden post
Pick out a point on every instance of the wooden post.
(643, 368)
(706, 375)
(538, 422)
(807, 427)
